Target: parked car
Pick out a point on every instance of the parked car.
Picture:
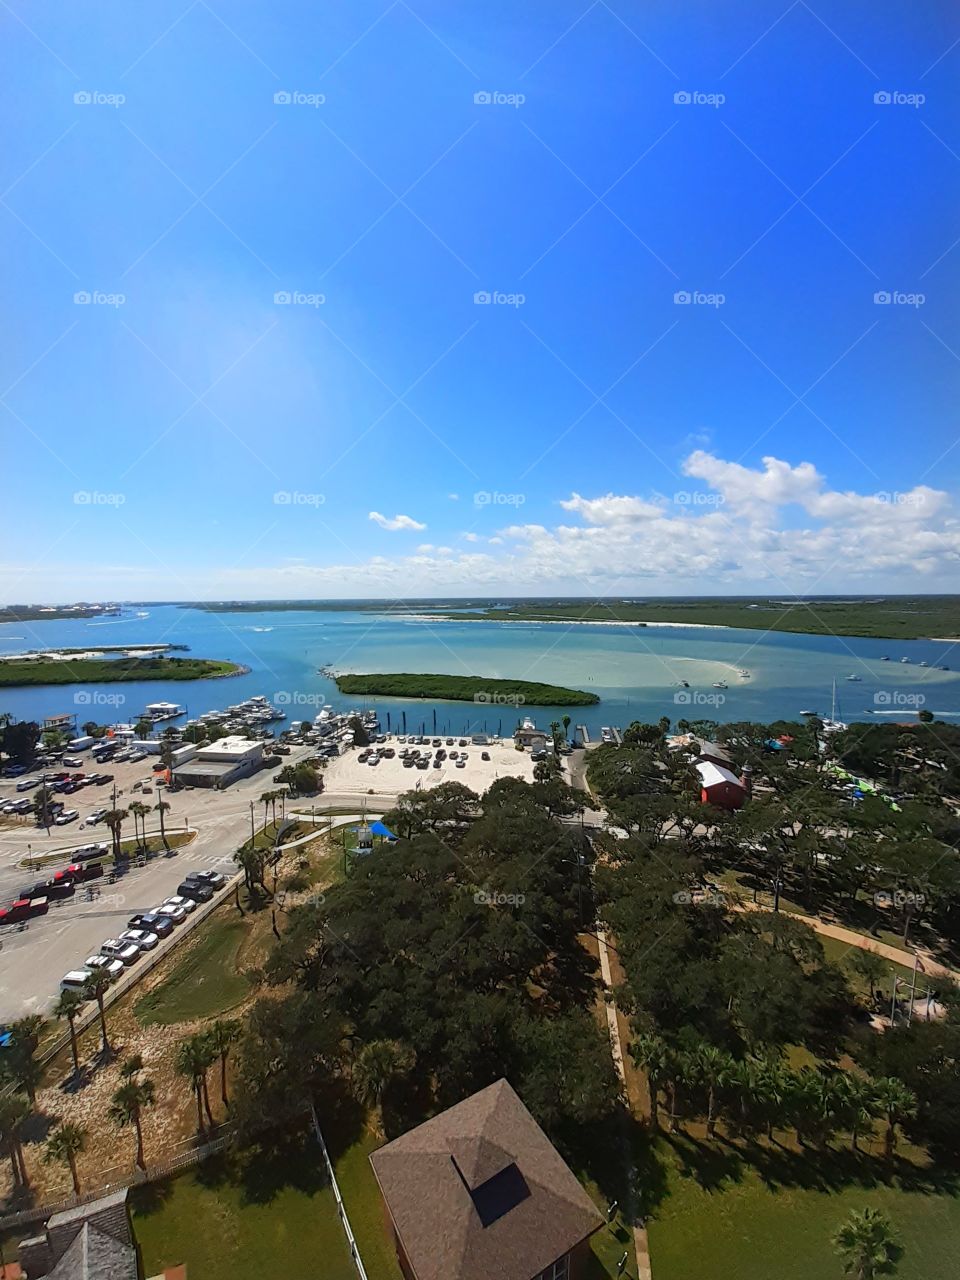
(75, 980)
(71, 762)
(112, 968)
(27, 784)
(115, 949)
(96, 816)
(60, 888)
(176, 914)
(14, 770)
(68, 815)
(195, 889)
(82, 871)
(162, 926)
(141, 938)
(178, 900)
(213, 878)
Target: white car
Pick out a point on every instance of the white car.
(68, 815)
(75, 980)
(113, 968)
(176, 914)
(177, 900)
(125, 952)
(141, 938)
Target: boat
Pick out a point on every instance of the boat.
(884, 658)
(809, 713)
(853, 677)
(720, 684)
(904, 659)
(924, 664)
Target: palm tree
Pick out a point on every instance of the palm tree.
(555, 733)
(714, 1069)
(193, 1060)
(13, 1112)
(114, 819)
(858, 1105)
(127, 1107)
(161, 808)
(651, 1055)
(65, 1144)
(69, 1006)
(27, 1072)
(42, 799)
(139, 810)
(223, 1035)
(865, 1242)
(565, 721)
(770, 1086)
(376, 1066)
(895, 1103)
(95, 988)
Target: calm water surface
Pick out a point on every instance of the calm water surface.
(636, 671)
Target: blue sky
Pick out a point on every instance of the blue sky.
(585, 432)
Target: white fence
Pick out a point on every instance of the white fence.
(341, 1207)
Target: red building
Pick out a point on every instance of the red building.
(720, 787)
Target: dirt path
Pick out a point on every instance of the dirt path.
(852, 939)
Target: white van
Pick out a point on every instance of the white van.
(75, 980)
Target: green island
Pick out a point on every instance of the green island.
(895, 617)
(466, 689)
(39, 671)
(54, 613)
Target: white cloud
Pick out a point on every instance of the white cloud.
(775, 528)
(398, 522)
(470, 537)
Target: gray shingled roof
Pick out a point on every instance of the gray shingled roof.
(95, 1255)
(479, 1192)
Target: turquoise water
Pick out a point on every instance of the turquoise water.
(636, 671)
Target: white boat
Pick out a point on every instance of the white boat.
(852, 677)
(720, 684)
(904, 659)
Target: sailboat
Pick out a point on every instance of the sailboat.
(833, 725)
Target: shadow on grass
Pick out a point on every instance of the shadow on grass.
(829, 1169)
(150, 1197)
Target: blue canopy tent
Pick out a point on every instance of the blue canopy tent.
(379, 829)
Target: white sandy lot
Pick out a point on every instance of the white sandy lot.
(345, 774)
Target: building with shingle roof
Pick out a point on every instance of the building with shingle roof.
(480, 1193)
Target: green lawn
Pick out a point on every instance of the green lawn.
(722, 1219)
(206, 982)
(361, 1195)
(265, 1214)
